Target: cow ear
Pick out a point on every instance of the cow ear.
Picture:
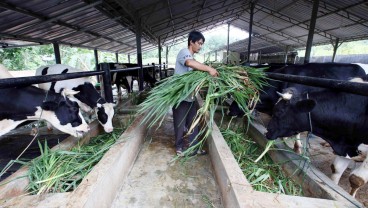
(49, 106)
(67, 92)
(305, 106)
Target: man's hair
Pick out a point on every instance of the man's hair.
(195, 36)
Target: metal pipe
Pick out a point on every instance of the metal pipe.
(335, 49)
(167, 55)
(312, 26)
(250, 30)
(106, 76)
(228, 43)
(57, 53)
(286, 54)
(139, 52)
(159, 56)
(26, 81)
(96, 64)
(341, 85)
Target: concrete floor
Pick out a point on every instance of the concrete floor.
(157, 181)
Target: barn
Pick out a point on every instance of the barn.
(140, 168)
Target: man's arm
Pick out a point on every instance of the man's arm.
(196, 65)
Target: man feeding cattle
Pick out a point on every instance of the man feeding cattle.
(185, 112)
(88, 98)
(339, 118)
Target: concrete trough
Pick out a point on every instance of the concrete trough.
(97, 189)
(100, 186)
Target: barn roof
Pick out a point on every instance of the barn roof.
(110, 25)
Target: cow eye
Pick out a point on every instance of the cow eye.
(74, 109)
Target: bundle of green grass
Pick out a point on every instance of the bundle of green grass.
(242, 83)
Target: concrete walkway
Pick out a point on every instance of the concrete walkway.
(154, 181)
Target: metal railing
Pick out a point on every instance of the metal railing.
(341, 85)
(26, 81)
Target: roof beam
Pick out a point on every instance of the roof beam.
(55, 21)
(133, 14)
(292, 21)
(221, 20)
(348, 14)
(181, 16)
(171, 16)
(43, 19)
(212, 18)
(267, 28)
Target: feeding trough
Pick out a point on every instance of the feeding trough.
(101, 187)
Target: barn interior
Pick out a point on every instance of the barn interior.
(276, 28)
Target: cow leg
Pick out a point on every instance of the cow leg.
(359, 176)
(130, 83)
(298, 145)
(49, 126)
(119, 91)
(338, 167)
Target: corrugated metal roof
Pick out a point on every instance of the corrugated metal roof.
(110, 25)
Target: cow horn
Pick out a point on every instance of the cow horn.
(285, 96)
(67, 92)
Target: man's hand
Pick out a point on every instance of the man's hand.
(213, 72)
(199, 66)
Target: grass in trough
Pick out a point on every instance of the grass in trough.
(264, 175)
(62, 171)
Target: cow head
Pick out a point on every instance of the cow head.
(64, 114)
(290, 115)
(105, 113)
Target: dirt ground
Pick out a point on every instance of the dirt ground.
(322, 157)
(156, 181)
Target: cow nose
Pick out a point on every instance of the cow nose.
(109, 129)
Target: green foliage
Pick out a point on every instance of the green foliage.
(26, 58)
(263, 175)
(242, 83)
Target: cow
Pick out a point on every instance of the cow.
(88, 97)
(269, 96)
(20, 104)
(341, 119)
(4, 73)
(126, 78)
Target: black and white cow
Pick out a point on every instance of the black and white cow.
(18, 105)
(126, 78)
(339, 118)
(269, 96)
(88, 97)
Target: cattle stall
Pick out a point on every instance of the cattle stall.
(13, 143)
(144, 157)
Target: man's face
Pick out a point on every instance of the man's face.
(196, 46)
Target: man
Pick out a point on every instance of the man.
(184, 114)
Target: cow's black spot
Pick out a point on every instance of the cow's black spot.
(101, 115)
(64, 71)
(44, 70)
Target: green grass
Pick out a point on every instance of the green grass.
(240, 82)
(264, 175)
(62, 171)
